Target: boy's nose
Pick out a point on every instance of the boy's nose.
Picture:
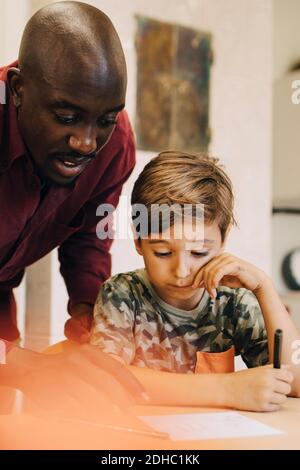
(182, 269)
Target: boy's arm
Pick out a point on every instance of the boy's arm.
(228, 270)
(276, 316)
(259, 389)
(173, 389)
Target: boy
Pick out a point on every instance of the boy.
(194, 307)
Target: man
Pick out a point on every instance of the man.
(66, 146)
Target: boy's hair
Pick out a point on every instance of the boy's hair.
(182, 178)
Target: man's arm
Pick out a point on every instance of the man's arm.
(85, 259)
(82, 379)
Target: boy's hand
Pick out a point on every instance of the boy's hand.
(259, 389)
(78, 327)
(228, 270)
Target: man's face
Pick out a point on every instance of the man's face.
(67, 118)
(172, 263)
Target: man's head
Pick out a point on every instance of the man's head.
(69, 87)
(173, 257)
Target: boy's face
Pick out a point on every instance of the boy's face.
(172, 263)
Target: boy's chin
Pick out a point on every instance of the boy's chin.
(181, 293)
(184, 295)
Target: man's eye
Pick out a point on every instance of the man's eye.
(67, 119)
(162, 254)
(108, 121)
(200, 254)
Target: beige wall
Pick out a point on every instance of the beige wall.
(286, 136)
(13, 16)
(286, 141)
(286, 16)
(240, 114)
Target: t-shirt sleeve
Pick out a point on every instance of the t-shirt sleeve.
(114, 319)
(251, 335)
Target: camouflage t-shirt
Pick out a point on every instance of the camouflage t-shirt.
(133, 322)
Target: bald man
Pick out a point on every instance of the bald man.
(66, 146)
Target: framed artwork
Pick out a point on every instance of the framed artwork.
(173, 75)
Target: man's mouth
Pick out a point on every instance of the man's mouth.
(70, 166)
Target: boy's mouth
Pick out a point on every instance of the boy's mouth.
(180, 287)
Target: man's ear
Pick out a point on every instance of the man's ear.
(15, 85)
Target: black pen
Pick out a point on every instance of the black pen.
(277, 349)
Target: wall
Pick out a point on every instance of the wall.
(11, 27)
(286, 39)
(286, 142)
(286, 36)
(240, 115)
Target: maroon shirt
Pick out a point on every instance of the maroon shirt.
(30, 227)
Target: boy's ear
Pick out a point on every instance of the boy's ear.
(136, 239)
(225, 238)
(138, 246)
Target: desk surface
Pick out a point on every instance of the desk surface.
(28, 432)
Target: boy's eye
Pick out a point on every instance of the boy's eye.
(200, 254)
(162, 254)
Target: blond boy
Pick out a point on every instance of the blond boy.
(179, 322)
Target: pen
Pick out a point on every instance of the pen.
(113, 427)
(277, 348)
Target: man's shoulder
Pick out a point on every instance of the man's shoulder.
(4, 69)
(121, 143)
(2, 94)
(3, 73)
(3, 91)
(122, 134)
(123, 124)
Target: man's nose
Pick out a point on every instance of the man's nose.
(83, 142)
